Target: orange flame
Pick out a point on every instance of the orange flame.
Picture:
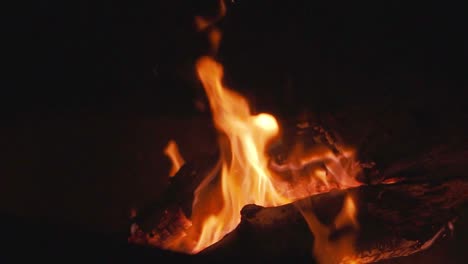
(317, 170)
(332, 251)
(202, 23)
(244, 176)
(207, 24)
(172, 151)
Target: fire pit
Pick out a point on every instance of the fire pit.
(300, 192)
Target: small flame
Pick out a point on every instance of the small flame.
(172, 151)
(332, 251)
(347, 214)
(316, 170)
(207, 24)
(203, 23)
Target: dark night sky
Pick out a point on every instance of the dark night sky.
(111, 56)
(83, 80)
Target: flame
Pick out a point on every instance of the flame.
(316, 170)
(245, 178)
(325, 249)
(203, 23)
(207, 24)
(172, 151)
(246, 175)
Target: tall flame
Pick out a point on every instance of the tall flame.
(245, 178)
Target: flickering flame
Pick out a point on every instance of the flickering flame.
(245, 176)
(202, 23)
(207, 24)
(340, 249)
(347, 214)
(172, 151)
(316, 170)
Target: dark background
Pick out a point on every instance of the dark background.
(111, 56)
(93, 90)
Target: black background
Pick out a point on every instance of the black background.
(138, 57)
(92, 90)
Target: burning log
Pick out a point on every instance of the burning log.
(395, 220)
(404, 210)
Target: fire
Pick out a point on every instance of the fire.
(338, 250)
(245, 178)
(172, 151)
(317, 169)
(246, 175)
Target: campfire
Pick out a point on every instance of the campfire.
(307, 196)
